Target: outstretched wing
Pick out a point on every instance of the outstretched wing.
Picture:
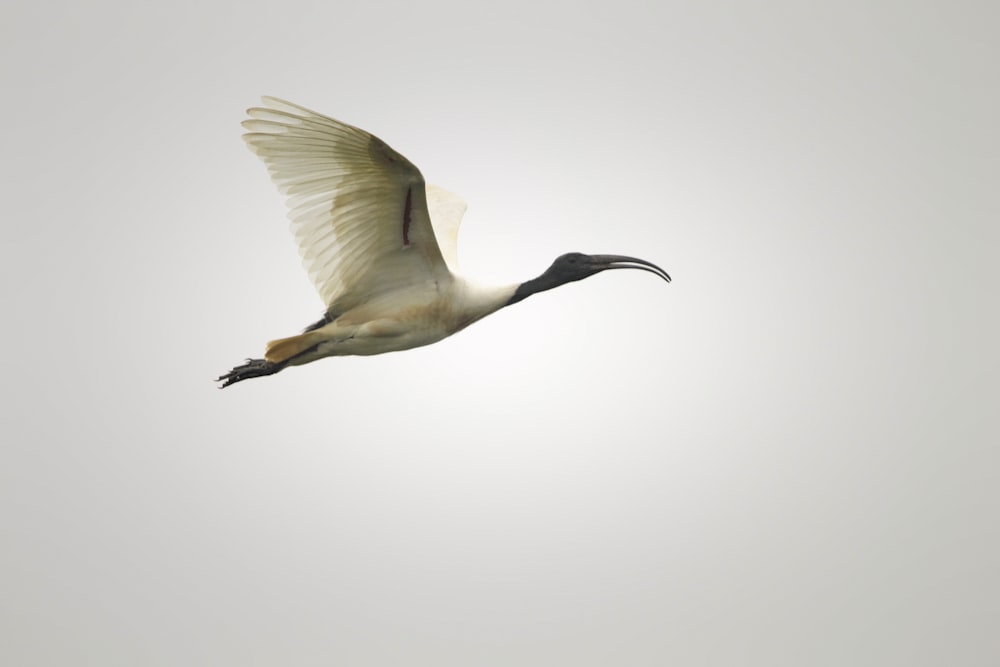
(446, 209)
(358, 208)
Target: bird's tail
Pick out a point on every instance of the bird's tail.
(285, 350)
(280, 353)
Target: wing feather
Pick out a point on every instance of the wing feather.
(446, 211)
(347, 192)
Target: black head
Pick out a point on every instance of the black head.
(577, 266)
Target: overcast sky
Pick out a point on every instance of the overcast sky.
(787, 456)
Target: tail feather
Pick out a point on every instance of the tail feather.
(279, 354)
(284, 349)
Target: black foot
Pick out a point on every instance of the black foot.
(253, 368)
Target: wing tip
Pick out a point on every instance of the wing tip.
(271, 104)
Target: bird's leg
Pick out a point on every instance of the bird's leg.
(253, 368)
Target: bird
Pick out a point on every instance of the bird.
(379, 244)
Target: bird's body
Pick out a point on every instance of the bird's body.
(380, 245)
(411, 317)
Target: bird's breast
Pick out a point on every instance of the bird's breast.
(411, 318)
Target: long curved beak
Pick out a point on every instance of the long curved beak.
(604, 262)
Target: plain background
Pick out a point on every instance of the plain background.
(788, 456)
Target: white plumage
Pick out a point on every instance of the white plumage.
(379, 245)
(347, 192)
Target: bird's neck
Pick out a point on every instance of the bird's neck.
(474, 300)
(542, 283)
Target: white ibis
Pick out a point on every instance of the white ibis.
(379, 245)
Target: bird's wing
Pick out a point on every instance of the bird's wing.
(358, 208)
(446, 209)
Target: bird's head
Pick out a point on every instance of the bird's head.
(577, 266)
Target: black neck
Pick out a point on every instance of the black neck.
(543, 282)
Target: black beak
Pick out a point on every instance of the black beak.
(604, 262)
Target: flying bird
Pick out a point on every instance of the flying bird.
(379, 244)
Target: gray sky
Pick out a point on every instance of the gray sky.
(785, 457)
